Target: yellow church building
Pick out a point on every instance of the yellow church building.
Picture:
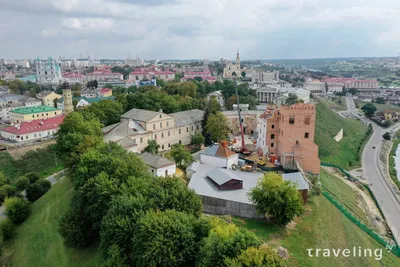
(231, 68)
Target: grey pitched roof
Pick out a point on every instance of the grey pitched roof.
(43, 94)
(126, 142)
(140, 114)
(188, 117)
(222, 176)
(296, 178)
(193, 167)
(212, 150)
(156, 161)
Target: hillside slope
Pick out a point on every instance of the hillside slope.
(343, 153)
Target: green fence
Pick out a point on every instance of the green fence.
(371, 233)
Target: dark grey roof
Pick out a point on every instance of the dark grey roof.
(127, 142)
(156, 161)
(140, 114)
(297, 178)
(222, 176)
(188, 117)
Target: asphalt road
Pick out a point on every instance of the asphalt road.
(372, 173)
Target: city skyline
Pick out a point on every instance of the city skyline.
(211, 29)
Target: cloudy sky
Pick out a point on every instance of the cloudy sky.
(189, 29)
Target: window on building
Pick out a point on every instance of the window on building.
(167, 123)
(306, 135)
(55, 113)
(272, 144)
(192, 128)
(162, 147)
(169, 134)
(272, 126)
(169, 145)
(162, 135)
(26, 137)
(272, 136)
(160, 125)
(187, 129)
(33, 116)
(166, 172)
(291, 120)
(307, 120)
(155, 136)
(34, 135)
(160, 116)
(154, 126)
(141, 140)
(47, 114)
(179, 131)
(180, 142)
(197, 126)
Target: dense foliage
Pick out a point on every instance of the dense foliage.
(180, 155)
(22, 183)
(7, 228)
(369, 109)
(17, 209)
(277, 198)
(152, 147)
(36, 190)
(217, 127)
(263, 256)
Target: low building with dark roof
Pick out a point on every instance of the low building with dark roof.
(158, 165)
(226, 192)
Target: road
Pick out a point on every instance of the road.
(372, 173)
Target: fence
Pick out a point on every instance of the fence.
(371, 233)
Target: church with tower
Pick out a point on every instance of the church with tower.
(231, 69)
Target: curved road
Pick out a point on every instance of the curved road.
(372, 173)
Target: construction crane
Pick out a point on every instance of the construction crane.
(243, 148)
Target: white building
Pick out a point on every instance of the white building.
(267, 93)
(313, 85)
(334, 87)
(219, 156)
(73, 78)
(32, 130)
(10, 102)
(135, 62)
(48, 71)
(263, 77)
(138, 126)
(158, 165)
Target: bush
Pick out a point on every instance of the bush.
(3, 195)
(3, 179)
(22, 183)
(11, 190)
(36, 190)
(33, 177)
(1, 244)
(261, 256)
(17, 209)
(7, 228)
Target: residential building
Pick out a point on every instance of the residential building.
(148, 74)
(82, 101)
(103, 74)
(135, 62)
(7, 76)
(73, 78)
(48, 97)
(287, 134)
(10, 102)
(334, 87)
(226, 192)
(103, 92)
(22, 114)
(139, 126)
(337, 84)
(232, 68)
(48, 71)
(314, 85)
(205, 74)
(158, 165)
(249, 119)
(32, 130)
(219, 156)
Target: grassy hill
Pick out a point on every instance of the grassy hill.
(37, 242)
(343, 153)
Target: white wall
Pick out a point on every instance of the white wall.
(30, 136)
(219, 162)
(171, 170)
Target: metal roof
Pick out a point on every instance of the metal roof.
(188, 117)
(140, 114)
(156, 161)
(297, 178)
(222, 176)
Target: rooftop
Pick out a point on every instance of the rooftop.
(218, 151)
(188, 117)
(140, 114)
(35, 126)
(222, 176)
(156, 161)
(37, 109)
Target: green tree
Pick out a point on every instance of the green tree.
(115, 258)
(152, 147)
(386, 136)
(3, 179)
(225, 241)
(263, 256)
(353, 91)
(217, 127)
(7, 228)
(36, 190)
(10, 189)
(165, 239)
(292, 99)
(369, 109)
(243, 74)
(33, 177)
(234, 74)
(213, 105)
(17, 209)
(198, 139)
(380, 100)
(277, 198)
(3, 195)
(107, 111)
(180, 155)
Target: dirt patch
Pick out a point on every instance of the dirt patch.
(17, 152)
(365, 202)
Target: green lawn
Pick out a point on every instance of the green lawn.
(323, 227)
(42, 161)
(345, 195)
(343, 153)
(337, 104)
(381, 107)
(37, 242)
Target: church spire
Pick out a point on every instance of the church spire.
(238, 60)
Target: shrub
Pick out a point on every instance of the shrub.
(22, 183)
(36, 190)
(3, 195)
(33, 177)
(11, 190)
(261, 256)
(1, 244)
(3, 179)
(7, 228)
(17, 209)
